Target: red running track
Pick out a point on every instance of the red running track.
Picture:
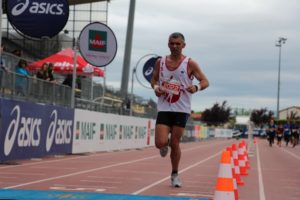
(274, 172)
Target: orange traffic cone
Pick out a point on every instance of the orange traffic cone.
(242, 162)
(246, 156)
(236, 194)
(236, 165)
(225, 186)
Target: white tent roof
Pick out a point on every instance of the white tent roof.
(242, 120)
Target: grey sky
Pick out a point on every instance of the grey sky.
(233, 41)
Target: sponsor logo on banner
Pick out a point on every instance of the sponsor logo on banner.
(59, 131)
(26, 134)
(25, 130)
(38, 18)
(97, 44)
(102, 132)
(149, 67)
(97, 40)
(111, 131)
(85, 130)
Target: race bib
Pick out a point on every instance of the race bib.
(171, 86)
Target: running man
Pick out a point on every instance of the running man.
(279, 135)
(172, 81)
(271, 132)
(294, 133)
(286, 133)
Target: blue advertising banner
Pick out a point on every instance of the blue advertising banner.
(29, 130)
(38, 19)
(149, 67)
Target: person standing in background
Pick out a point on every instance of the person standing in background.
(21, 77)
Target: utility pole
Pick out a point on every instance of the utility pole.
(279, 43)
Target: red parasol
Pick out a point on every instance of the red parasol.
(63, 62)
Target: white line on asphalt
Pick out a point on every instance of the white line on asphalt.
(292, 154)
(78, 173)
(168, 177)
(260, 178)
(85, 171)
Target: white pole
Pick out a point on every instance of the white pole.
(250, 138)
(92, 87)
(132, 82)
(1, 27)
(74, 75)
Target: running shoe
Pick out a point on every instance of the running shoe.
(164, 151)
(175, 181)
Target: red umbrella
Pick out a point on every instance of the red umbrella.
(63, 62)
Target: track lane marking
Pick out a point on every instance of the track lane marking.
(262, 195)
(181, 171)
(91, 170)
(292, 154)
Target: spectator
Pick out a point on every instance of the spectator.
(3, 69)
(43, 72)
(21, 77)
(50, 72)
(68, 80)
(2, 62)
(17, 52)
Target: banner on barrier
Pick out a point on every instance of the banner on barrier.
(29, 130)
(96, 131)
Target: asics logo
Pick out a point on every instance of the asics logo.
(59, 131)
(37, 8)
(149, 71)
(25, 130)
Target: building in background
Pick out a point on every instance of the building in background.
(290, 112)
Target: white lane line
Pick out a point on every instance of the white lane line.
(78, 173)
(60, 158)
(86, 171)
(168, 177)
(262, 195)
(292, 154)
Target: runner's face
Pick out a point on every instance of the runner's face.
(176, 45)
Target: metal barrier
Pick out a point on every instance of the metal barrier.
(26, 88)
(18, 87)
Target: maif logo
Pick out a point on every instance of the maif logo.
(38, 18)
(97, 41)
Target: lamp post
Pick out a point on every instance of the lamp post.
(279, 43)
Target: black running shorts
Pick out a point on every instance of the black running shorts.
(172, 118)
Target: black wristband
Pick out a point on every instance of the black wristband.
(196, 87)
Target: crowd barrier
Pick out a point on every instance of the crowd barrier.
(33, 130)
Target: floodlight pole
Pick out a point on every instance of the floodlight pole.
(279, 43)
(74, 74)
(1, 12)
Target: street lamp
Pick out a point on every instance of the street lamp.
(279, 43)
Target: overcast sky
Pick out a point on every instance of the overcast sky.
(232, 40)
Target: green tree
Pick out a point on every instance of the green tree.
(261, 117)
(217, 114)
